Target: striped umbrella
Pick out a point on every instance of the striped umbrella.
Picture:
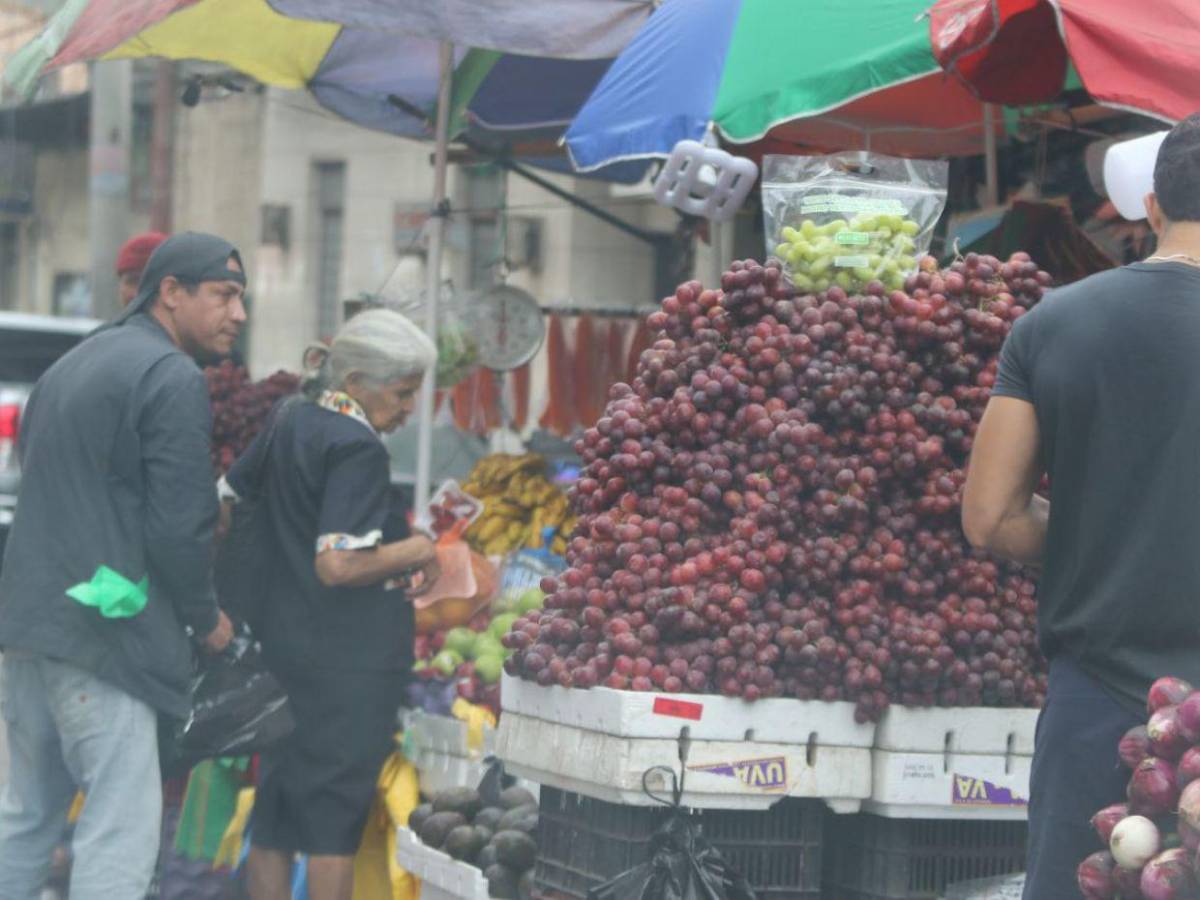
(512, 69)
(521, 70)
(778, 75)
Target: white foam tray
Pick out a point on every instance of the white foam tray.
(1004, 732)
(633, 714)
(445, 734)
(721, 774)
(442, 876)
(949, 786)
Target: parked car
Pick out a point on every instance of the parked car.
(29, 345)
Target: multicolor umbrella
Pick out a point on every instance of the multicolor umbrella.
(522, 70)
(825, 74)
(511, 68)
(1143, 57)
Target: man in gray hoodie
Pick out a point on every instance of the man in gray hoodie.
(107, 573)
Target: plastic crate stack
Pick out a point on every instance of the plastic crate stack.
(921, 801)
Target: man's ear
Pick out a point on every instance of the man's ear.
(1154, 215)
(169, 293)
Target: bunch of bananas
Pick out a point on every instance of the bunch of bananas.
(519, 502)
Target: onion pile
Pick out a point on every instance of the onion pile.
(1163, 809)
(240, 408)
(771, 508)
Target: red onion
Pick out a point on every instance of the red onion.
(1166, 692)
(1167, 737)
(1169, 876)
(1189, 715)
(1105, 820)
(1187, 769)
(1134, 842)
(1129, 883)
(1134, 746)
(1188, 836)
(1189, 806)
(1095, 875)
(1152, 789)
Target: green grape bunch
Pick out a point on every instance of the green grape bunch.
(851, 253)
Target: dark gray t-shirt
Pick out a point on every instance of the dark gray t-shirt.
(1112, 367)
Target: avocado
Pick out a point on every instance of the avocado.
(417, 817)
(515, 849)
(502, 882)
(489, 817)
(511, 798)
(484, 834)
(486, 857)
(525, 886)
(438, 825)
(463, 843)
(513, 816)
(464, 801)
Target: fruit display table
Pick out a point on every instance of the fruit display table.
(967, 763)
(739, 755)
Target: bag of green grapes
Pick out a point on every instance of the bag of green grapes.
(851, 218)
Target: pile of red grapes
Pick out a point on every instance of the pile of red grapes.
(240, 407)
(771, 509)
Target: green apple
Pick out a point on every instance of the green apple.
(487, 645)
(462, 641)
(447, 662)
(532, 599)
(502, 624)
(489, 667)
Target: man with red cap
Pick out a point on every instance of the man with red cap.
(131, 262)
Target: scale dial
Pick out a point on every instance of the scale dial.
(508, 327)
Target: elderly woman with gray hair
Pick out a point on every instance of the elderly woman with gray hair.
(332, 627)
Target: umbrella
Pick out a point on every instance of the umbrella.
(1142, 57)
(769, 73)
(508, 69)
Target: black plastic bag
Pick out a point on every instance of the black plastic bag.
(682, 865)
(238, 706)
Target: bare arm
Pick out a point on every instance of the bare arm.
(1001, 513)
(359, 568)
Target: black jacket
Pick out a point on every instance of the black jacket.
(115, 456)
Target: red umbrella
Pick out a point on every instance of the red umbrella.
(1144, 57)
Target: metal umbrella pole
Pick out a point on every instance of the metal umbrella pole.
(433, 272)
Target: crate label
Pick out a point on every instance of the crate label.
(768, 774)
(969, 791)
(679, 709)
(919, 771)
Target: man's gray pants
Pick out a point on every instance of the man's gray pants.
(68, 731)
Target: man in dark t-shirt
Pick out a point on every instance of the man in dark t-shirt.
(1099, 387)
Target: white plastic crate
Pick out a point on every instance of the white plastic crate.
(722, 774)
(966, 763)
(442, 876)
(634, 714)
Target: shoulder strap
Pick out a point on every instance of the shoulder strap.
(272, 427)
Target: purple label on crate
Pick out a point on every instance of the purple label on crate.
(969, 791)
(769, 774)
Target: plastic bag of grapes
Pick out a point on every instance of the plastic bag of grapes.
(851, 218)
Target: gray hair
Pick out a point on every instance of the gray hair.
(379, 345)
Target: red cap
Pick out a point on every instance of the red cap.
(136, 252)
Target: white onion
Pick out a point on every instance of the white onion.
(1135, 841)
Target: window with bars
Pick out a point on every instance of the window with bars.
(331, 210)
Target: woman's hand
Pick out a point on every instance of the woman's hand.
(423, 579)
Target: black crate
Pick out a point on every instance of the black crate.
(583, 842)
(873, 858)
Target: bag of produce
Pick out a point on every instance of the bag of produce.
(458, 352)
(851, 218)
(238, 707)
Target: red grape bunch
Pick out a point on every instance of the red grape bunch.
(771, 507)
(240, 408)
